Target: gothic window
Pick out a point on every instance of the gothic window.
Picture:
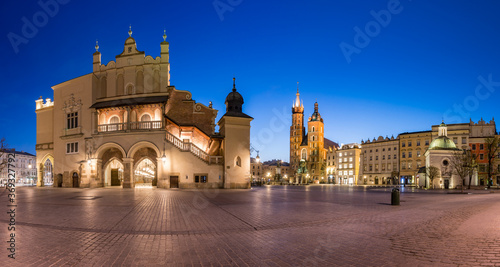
(238, 161)
(72, 120)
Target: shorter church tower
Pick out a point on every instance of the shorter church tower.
(316, 143)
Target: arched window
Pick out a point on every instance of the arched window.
(237, 161)
(146, 117)
(304, 154)
(313, 128)
(114, 123)
(145, 121)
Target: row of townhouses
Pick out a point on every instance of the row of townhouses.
(388, 160)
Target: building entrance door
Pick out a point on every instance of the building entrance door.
(446, 184)
(174, 181)
(114, 177)
(376, 180)
(75, 180)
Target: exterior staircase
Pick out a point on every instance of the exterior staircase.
(193, 149)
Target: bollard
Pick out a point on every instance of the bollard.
(395, 197)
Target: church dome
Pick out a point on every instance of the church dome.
(443, 143)
(234, 101)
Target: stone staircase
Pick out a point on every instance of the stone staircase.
(193, 149)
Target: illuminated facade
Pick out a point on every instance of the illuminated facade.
(412, 147)
(439, 155)
(308, 144)
(348, 162)
(125, 125)
(380, 161)
(24, 167)
(477, 144)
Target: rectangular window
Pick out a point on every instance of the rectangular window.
(72, 120)
(350, 159)
(371, 167)
(473, 146)
(426, 142)
(376, 157)
(403, 144)
(455, 140)
(389, 149)
(388, 166)
(383, 157)
(481, 147)
(371, 158)
(340, 154)
(419, 164)
(200, 178)
(340, 160)
(409, 154)
(418, 154)
(388, 156)
(481, 156)
(350, 166)
(376, 167)
(409, 143)
(464, 140)
(350, 172)
(72, 148)
(418, 142)
(383, 167)
(403, 155)
(409, 165)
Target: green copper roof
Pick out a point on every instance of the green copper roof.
(443, 142)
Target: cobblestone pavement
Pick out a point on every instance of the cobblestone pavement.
(266, 226)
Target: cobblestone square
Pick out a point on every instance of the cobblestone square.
(320, 225)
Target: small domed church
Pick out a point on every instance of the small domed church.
(125, 125)
(440, 155)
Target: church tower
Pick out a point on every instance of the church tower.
(316, 141)
(297, 131)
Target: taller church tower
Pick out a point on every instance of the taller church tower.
(297, 131)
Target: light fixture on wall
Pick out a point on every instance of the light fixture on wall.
(164, 157)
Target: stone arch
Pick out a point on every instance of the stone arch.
(113, 120)
(141, 144)
(129, 89)
(41, 168)
(104, 147)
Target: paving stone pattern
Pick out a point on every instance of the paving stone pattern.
(265, 226)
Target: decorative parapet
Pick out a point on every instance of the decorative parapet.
(40, 104)
(44, 146)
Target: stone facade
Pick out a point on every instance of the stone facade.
(380, 161)
(125, 125)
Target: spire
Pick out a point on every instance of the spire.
(96, 46)
(130, 30)
(164, 35)
(316, 107)
(297, 99)
(234, 84)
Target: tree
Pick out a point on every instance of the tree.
(432, 172)
(492, 148)
(463, 165)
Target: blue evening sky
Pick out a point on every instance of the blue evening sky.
(431, 60)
